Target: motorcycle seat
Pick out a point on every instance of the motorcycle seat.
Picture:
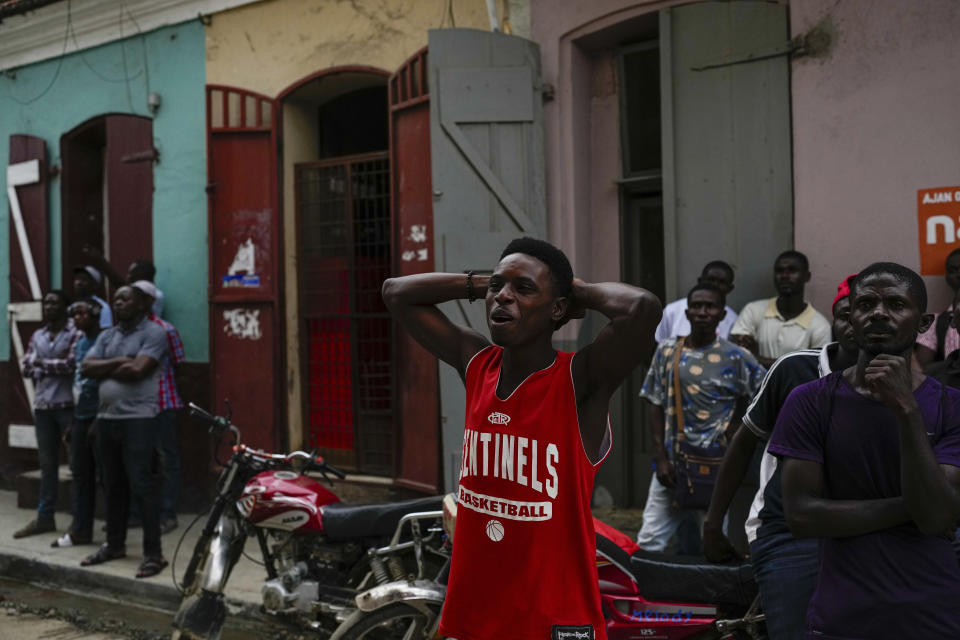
(363, 521)
(664, 577)
(661, 576)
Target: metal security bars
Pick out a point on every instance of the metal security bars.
(343, 212)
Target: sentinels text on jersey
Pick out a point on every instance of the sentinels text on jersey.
(524, 557)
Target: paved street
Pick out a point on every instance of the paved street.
(17, 627)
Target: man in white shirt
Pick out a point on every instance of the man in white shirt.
(774, 327)
(674, 322)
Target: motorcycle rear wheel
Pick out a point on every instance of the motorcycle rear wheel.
(396, 621)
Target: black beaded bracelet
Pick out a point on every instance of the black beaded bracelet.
(471, 293)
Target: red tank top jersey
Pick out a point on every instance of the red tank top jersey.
(524, 552)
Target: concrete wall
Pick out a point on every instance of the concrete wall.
(90, 83)
(874, 120)
(271, 45)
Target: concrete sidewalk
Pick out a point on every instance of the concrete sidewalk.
(33, 560)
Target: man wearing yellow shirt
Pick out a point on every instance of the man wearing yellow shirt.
(773, 327)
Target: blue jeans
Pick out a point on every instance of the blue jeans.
(51, 424)
(786, 569)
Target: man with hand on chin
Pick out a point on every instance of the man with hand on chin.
(871, 464)
(536, 431)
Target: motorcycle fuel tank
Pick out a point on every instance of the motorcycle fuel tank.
(285, 500)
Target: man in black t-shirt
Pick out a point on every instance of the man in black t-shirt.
(786, 567)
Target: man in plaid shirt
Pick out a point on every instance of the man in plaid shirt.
(49, 363)
(170, 402)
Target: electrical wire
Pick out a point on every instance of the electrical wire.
(56, 73)
(143, 48)
(123, 52)
(176, 551)
(76, 44)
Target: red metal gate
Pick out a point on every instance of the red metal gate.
(245, 335)
(343, 217)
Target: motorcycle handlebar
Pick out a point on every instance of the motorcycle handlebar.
(317, 463)
(198, 412)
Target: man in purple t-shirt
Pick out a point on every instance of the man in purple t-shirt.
(870, 464)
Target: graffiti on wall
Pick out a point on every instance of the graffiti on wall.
(242, 323)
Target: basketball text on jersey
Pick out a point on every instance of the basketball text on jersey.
(523, 461)
(526, 462)
(510, 509)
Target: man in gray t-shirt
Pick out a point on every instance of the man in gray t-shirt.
(128, 359)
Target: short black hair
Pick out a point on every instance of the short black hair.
(554, 258)
(60, 293)
(951, 254)
(791, 253)
(144, 268)
(706, 286)
(915, 284)
(717, 264)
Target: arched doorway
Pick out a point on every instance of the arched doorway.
(337, 202)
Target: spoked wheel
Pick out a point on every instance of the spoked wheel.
(397, 621)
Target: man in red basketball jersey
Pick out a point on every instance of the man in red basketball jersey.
(523, 565)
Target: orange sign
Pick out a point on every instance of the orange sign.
(938, 216)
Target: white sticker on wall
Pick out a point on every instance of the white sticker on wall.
(244, 260)
(242, 323)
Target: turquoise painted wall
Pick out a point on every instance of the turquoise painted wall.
(92, 82)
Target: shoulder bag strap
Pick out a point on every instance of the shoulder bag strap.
(677, 398)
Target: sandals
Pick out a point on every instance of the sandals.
(151, 567)
(103, 554)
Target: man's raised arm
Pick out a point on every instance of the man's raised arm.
(625, 342)
(412, 301)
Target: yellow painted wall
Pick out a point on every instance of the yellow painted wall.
(269, 45)
(299, 146)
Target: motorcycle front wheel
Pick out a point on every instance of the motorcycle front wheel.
(396, 621)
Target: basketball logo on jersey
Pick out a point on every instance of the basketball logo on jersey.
(498, 418)
(495, 530)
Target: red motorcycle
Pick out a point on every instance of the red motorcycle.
(664, 597)
(643, 595)
(318, 552)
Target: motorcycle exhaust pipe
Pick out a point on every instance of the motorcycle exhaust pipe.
(202, 616)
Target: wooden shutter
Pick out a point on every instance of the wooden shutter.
(245, 357)
(726, 142)
(29, 261)
(486, 146)
(128, 175)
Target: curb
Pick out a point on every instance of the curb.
(153, 595)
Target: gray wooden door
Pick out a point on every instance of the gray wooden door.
(726, 143)
(486, 145)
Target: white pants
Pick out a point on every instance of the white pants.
(661, 519)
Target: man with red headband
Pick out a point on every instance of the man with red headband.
(786, 567)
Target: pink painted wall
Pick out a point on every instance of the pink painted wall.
(874, 120)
